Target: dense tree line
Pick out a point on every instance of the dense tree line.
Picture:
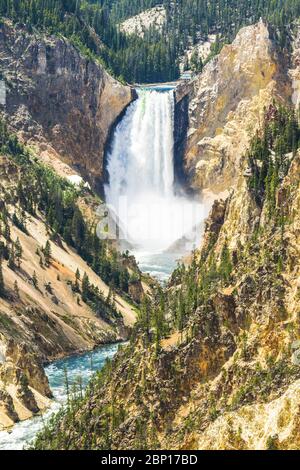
(154, 57)
(128, 58)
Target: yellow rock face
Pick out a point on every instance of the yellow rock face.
(258, 426)
(227, 106)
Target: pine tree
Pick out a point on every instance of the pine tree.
(85, 286)
(225, 264)
(47, 253)
(18, 252)
(7, 232)
(109, 299)
(144, 319)
(16, 289)
(78, 229)
(35, 281)
(77, 279)
(2, 287)
(196, 62)
(12, 258)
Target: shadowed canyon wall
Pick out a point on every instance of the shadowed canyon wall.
(58, 100)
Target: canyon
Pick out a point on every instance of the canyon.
(229, 379)
(46, 321)
(225, 105)
(154, 18)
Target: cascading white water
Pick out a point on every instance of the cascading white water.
(140, 165)
(142, 157)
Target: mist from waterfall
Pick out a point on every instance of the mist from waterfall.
(141, 189)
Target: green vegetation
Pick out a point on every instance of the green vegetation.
(128, 58)
(40, 190)
(154, 57)
(110, 417)
(187, 306)
(2, 289)
(260, 382)
(190, 287)
(271, 152)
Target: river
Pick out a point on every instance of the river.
(84, 366)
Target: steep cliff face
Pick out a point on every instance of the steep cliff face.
(226, 104)
(58, 100)
(24, 385)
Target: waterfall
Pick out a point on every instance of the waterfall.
(142, 156)
(141, 175)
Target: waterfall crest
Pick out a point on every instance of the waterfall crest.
(141, 175)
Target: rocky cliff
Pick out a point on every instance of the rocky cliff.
(226, 104)
(63, 105)
(154, 18)
(24, 386)
(58, 100)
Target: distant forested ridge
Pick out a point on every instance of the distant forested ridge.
(154, 57)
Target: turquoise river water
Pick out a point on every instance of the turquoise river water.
(83, 366)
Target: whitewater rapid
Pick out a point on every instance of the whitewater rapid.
(154, 218)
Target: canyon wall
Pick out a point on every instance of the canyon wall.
(63, 105)
(58, 100)
(226, 104)
(47, 319)
(230, 380)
